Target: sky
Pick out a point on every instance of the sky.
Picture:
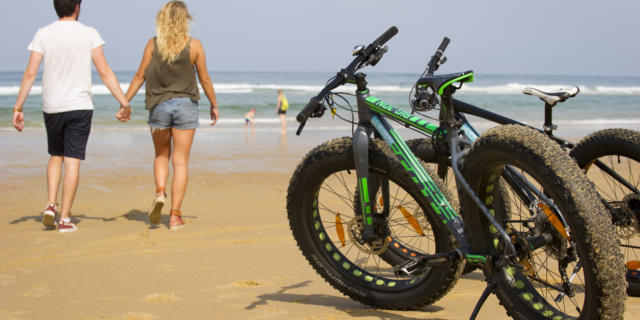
(545, 37)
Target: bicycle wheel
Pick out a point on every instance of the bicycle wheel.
(322, 218)
(576, 272)
(619, 151)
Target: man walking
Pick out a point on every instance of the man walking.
(67, 48)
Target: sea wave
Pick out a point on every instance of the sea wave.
(244, 88)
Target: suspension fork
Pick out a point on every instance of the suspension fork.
(368, 182)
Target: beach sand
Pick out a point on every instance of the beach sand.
(235, 259)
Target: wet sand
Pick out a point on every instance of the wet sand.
(235, 259)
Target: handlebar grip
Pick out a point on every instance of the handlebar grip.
(443, 45)
(382, 39)
(308, 110)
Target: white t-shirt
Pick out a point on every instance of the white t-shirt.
(66, 80)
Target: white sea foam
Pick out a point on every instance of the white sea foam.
(516, 88)
(239, 88)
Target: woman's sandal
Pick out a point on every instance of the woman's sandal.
(180, 224)
(155, 213)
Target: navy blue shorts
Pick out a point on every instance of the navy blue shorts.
(68, 132)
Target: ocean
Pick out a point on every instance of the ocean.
(604, 102)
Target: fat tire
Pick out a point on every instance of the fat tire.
(337, 155)
(617, 141)
(564, 182)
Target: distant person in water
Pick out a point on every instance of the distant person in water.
(169, 65)
(249, 118)
(67, 48)
(282, 105)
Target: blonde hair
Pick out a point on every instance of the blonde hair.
(172, 30)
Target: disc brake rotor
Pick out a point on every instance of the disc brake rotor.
(355, 227)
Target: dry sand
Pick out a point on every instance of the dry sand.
(235, 259)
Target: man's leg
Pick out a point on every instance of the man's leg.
(54, 172)
(69, 185)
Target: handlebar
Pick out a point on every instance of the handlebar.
(383, 38)
(308, 110)
(435, 61)
(315, 104)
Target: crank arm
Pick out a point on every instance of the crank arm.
(415, 267)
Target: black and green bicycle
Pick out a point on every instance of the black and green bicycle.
(610, 157)
(356, 203)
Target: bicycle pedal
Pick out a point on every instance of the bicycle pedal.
(415, 267)
(411, 267)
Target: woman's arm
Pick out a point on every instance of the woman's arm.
(138, 78)
(205, 81)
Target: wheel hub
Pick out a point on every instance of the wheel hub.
(377, 246)
(559, 245)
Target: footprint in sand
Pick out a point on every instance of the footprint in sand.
(246, 283)
(6, 279)
(165, 268)
(37, 291)
(138, 316)
(161, 298)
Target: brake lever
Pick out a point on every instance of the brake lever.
(375, 57)
(300, 128)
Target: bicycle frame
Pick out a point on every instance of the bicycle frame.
(467, 108)
(370, 113)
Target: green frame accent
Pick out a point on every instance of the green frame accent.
(476, 258)
(384, 108)
(465, 78)
(365, 202)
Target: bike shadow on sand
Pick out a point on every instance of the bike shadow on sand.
(351, 308)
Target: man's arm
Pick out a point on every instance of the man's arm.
(27, 82)
(108, 77)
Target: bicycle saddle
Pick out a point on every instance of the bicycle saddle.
(552, 98)
(439, 82)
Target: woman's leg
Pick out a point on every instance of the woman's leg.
(283, 123)
(182, 141)
(162, 145)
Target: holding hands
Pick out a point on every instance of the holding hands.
(124, 113)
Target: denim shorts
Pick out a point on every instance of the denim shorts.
(179, 113)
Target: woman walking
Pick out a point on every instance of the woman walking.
(171, 97)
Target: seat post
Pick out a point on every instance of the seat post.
(548, 122)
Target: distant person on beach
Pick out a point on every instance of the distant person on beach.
(171, 97)
(249, 118)
(67, 48)
(282, 105)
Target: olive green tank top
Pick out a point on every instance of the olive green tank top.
(165, 81)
